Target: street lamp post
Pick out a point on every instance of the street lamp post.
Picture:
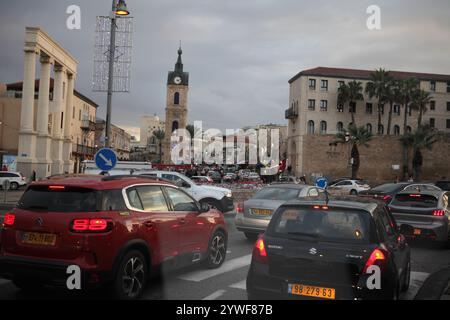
(118, 9)
(349, 140)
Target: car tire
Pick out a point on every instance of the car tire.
(14, 186)
(251, 236)
(131, 276)
(27, 284)
(353, 192)
(213, 204)
(217, 250)
(406, 277)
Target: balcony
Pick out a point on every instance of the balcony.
(85, 150)
(290, 113)
(87, 125)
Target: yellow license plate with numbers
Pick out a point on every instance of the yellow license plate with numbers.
(45, 239)
(312, 291)
(262, 212)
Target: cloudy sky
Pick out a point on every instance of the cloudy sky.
(239, 53)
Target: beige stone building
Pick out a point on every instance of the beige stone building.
(314, 111)
(148, 124)
(176, 104)
(81, 119)
(120, 141)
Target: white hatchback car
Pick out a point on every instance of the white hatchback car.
(15, 179)
(353, 187)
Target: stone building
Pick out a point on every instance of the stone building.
(176, 104)
(148, 124)
(120, 140)
(315, 117)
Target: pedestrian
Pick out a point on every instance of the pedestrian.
(33, 176)
(411, 179)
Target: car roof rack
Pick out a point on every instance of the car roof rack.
(127, 176)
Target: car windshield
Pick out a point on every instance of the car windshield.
(71, 199)
(283, 194)
(340, 225)
(387, 187)
(415, 200)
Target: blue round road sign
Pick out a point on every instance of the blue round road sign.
(321, 182)
(105, 159)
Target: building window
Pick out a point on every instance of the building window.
(62, 119)
(396, 130)
(340, 108)
(312, 84)
(323, 127)
(409, 111)
(408, 129)
(432, 105)
(324, 85)
(79, 115)
(341, 83)
(369, 127)
(176, 98)
(380, 129)
(397, 109)
(310, 127)
(432, 122)
(352, 107)
(174, 126)
(433, 85)
(340, 127)
(381, 109)
(323, 105)
(311, 104)
(369, 108)
(448, 123)
(73, 113)
(448, 86)
(448, 105)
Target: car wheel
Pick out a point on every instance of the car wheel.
(131, 276)
(217, 250)
(212, 203)
(14, 186)
(407, 277)
(353, 192)
(27, 284)
(251, 236)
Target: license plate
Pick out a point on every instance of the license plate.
(417, 232)
(312, 291)
(262, 212)
(45, 239)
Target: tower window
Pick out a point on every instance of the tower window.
(176, 98)
(174, 126)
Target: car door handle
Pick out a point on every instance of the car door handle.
(148, 224)
(182, 220)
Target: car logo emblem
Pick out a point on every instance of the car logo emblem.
(39, 222)
(313, 251)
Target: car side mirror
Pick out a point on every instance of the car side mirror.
(204, 207)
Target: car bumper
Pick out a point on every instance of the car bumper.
(246, 224)
(437, 230)
(227, 204)
(48, 272)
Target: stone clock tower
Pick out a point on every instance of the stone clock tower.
(176, 104)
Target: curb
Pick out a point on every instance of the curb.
(435, 287)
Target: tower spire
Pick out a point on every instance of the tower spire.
(179, 64)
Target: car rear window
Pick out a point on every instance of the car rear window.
(71, 199)
(415, 200)
(283, 194)
(388, 187)
(334, 225)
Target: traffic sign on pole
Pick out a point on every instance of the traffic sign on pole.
(105, 159)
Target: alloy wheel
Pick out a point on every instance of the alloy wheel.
(133, 277)
(218, 250)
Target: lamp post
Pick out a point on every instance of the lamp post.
(118, 9)
(349, 138)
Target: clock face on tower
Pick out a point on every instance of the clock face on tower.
(177, 80)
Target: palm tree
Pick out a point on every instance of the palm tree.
(420, 100)
(191, 129)
(357, 136)
(392, 96)
(423, 138)
(159, 134)
(405, 91)
(377, 87)
(351, 93)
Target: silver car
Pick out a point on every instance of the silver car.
(424, 214)
(253, 215)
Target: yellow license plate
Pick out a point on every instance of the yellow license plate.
(417, 232)
(312, 291)
(45, 239)
(262, 212)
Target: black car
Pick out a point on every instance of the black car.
(443, 184)
(387, 191)
(317, 250)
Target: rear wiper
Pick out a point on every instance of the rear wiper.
(36, 207)
(312, 235)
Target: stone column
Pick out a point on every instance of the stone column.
(67, 144)
(57, 143)
(43, 139)
(27, 136)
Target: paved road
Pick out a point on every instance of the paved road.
(228, 282)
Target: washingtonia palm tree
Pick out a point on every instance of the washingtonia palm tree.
(392, 96)
(351, 93)
(378, 87)
(420, 100)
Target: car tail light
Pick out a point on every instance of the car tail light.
(387, 198)
(376, 257)
(9, 219)
(320, 207)
(438, 213)
(415, 195)
(91, 225)
(56, 187)
(259, 251)
(240, 208)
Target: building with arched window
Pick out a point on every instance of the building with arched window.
(310, 127)
(323, 127)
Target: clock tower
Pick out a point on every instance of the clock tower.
(176, 104)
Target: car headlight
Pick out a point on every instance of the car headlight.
(228, 194)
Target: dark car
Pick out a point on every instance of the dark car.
(215, 176)
(443, 184)
(313, 250)
(387, 191)
(423, 215)
(117, 230)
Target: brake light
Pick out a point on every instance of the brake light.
(9, 219)
(387, 198)
(90, 225)
(240, 208)
(438, 213)
(415, 195)
(321, 207)
(376, 257)
(56, 187)
(259, 251)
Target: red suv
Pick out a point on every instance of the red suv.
(116, 229)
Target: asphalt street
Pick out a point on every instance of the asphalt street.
(228, 282)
